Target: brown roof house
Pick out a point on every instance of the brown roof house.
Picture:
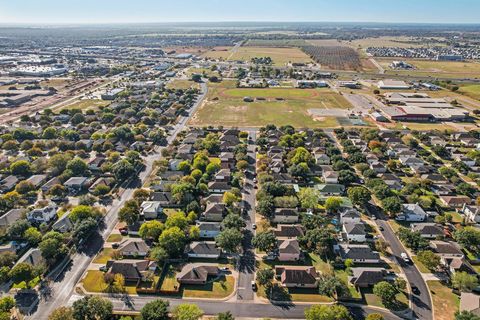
(132, 270)
(366, 277)
(297, 276)
(195, 274)
(470, 302)
(136, 248)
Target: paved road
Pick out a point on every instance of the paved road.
(421, 304)
(247, 261)
(241, 309)
(61, 289)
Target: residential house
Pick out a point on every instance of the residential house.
(366, 277)
(471, 213)
(470, 302)
(197, 274)
(50, 183)
(297, 276)
(8, 183)
(350, 215)
(330, 176)
(446, 250)
(354, 232)
(392, 181)
(289, 231)
(358, 253)
(428, 230)
(151, 209)
(64, 224)
(33, 257)
(203, 249)
(37, 180)
(41, 215)
(10, 217)
(75, 184)
(218, 186)
(456, 202)
(136, 248)
(131, 270)
(330, 189)
(214, 212)
(209, 229)
(285, 215)
(288, 250)
(223, 175)
(412, 212)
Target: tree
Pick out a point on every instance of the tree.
(318, 240)
(155, 310)
(83, 212)
(130, 212)
(327, 312)
(466, 315)
(173, 241)
(17, 229)
(92, 308)
(332, 286)
(374, 316)
(141, 195)
(33, 236)
(309, 198)
(159, 254)
(58, 162)
(468, 237)
(333, 204)
(266, 207)
(234, 221)
(83, 229)
(123, 170)
(429, 259)
(229, 198)
(187, 311)
(412, 240)
(386, 292)
(178, 219)
(229, 240)
(265, 276)
(52, 248)
(6, 303)
(77, 166)
(392, 205)
(21, 272)
(400, 284)
(464, 282)
(21, 168)
(62, 313)
(225, 316)
(265, 241)
(24, 187)
(151, 230)
(359, 195)
(57, 190)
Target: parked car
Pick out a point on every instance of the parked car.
(103, 268)
(115, 245)
(254, 226)
(254, 286)
(415, 290)
(405, 257)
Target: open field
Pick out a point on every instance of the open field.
(182, 84)
(87, 104)
(225, 106)
(280, 56)
(433, 69)
(218, 289)
(275, 43)
(472, 91)
(445, 302)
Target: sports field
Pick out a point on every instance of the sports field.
(430, 68)
(280, 56)
(224, 105)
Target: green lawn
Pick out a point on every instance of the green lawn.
(93, 282)
(421, 267)
(473, 91)
(294, 294)
(373, 300)
(220, 288)
(445, 302)
(87, 104)
(343, 275)
(225, 106)
(115, 237)
(104, 256)
(182, 84)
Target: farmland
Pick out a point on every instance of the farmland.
(225, 106)
(334, 57)
(280, 56)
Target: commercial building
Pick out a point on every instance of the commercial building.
(37, 71)
(392, 85)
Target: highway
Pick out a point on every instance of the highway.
(60, 289)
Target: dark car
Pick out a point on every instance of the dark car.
(415, 290)
(381, 228)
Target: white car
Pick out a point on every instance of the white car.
(405, 257)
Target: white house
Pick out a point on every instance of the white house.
(151, 209)
(412, 212)
(354, 232)
(45, 214)
(472, 213)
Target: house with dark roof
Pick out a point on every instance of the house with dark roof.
(428, 230)
(218, 186)
(131, 270)
(197, 274)
(366, 277)
(446, 250)
(358, 253)
(64, 224)
(214, 212)
(285, 215)
(209, 229)
(203, 249)
(297, 276)
(288, 250)
(136, 248)
(456, 202)
(289, 231)
(354, 232)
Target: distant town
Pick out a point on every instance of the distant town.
(280, 171)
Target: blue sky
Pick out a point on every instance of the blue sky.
(113, 11)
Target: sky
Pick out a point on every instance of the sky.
(145, 11)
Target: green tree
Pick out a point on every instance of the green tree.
(229, 240)
(468, 237)
(333, 204)
(178, 219)
(464, 282)
(225, 316)
(92, 308)
(77, 166)
(187, 311)
(21, 272)
(21, 168)
(234, 221)
(159, 254)
(265, 276)
(130, 212)
(6, 303)
(332, 286)
(173, 241)
(33, 236)
(374, 316)
(466, 315)
(327, 312)
(83, 212)
(429, 259)
(309, 198)
(123, 170)
(155, 310)
(386, 292)
(62, 313)
(359, 195)
(151, 229)
(265, 241)
(392, 205)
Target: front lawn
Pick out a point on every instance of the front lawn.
(421, 267)
(293, 294)
(373, 300)
(115, 237)
(93, 282)
(218, 289)
(445, 302)
(105, 255)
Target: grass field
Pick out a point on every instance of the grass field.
(115, 237)
(87, 104)
(225, 106)
(433, 69)
(182, 84)
(93, 282)
(104, 256)
(220, 288)
(472, 91)
(445, 302)
(280, 56)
